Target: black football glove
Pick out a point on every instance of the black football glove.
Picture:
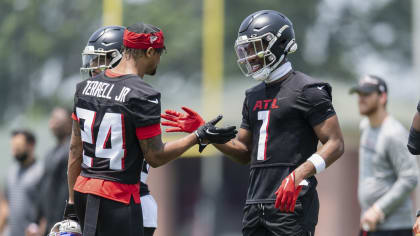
(209, 133)
(70, 212)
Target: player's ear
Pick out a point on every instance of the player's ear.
(150, 52)
(383, 98)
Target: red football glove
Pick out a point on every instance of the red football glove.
(287, 194)
(188, 122)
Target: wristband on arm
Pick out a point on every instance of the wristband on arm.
(318, 162)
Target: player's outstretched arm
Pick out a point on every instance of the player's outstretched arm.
(158, 153)
(414, 138)
(75, 159)
(239, 148)
(329, 133)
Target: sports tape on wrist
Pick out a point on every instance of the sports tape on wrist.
(318, 162)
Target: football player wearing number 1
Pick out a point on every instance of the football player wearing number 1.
(117, 125)
(284, 117)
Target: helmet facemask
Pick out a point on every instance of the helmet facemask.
(66, 228)
(96, 61)
(254, 56)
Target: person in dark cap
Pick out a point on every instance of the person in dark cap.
(369, 84)
(388, 173)
(116, 126)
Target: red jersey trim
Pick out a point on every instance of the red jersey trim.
(74, 117)
(146, 132)
(111, 74)
(108, 189)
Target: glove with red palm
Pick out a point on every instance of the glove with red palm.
(188, 122)
(287, 194)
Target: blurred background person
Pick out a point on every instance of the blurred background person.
(53, 190)
(388, 173)
(23, 182)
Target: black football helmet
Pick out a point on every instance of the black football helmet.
(103, 50)
(264, 40)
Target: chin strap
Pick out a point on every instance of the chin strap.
(279, 72)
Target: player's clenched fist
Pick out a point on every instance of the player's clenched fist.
(180, 122)
(287, 194)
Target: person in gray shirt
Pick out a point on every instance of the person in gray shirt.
(22, 186)
(388, 173)
(53, 191)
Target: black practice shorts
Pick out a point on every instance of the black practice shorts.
(114, 218)
(263, 219)
(396, 232)
(149, 231)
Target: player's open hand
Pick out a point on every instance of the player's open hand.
(188, 122)
(287, 194)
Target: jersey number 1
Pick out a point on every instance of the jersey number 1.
(112, 129)
(262, 142)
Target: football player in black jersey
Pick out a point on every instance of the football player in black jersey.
(284, 118)
(414, 138)
(117, 125)
(103, 51)
(414, 147)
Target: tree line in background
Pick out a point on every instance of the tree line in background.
(39, 36)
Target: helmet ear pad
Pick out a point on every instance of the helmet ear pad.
(293, 48)
(284, 45)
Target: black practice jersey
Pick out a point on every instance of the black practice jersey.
(414, 138)
(281, 117)
(418, 107)
(109, 110)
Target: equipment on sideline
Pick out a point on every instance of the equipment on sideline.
(66, 228)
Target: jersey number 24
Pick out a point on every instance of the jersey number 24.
(112, 129)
